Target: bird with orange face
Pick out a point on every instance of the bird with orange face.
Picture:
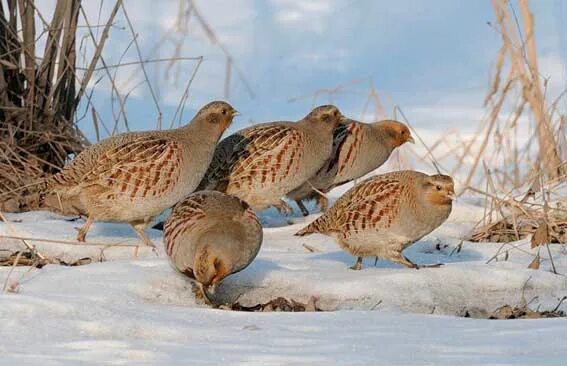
(134, 176)
(209, 236)
(358, 149)
(262, 163)
(385, 214)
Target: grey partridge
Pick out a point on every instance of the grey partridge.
(209, 236)
(263, 163)
(358, 149)
(385, 214)
(133, 177)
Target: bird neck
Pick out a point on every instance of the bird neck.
(318, 131)
(199, 131)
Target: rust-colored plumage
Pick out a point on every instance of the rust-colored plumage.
(385, 214)
(133, 177)
(210, 235)
(358, 149)
(262, 163)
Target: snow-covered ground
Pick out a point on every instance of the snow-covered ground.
(134, 308)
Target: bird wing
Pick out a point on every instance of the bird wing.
(264, 153)
(349, 149)
(144, 167)
(183, 218)
(373, 204)
(137, 167)
(226, 155)
(340, 135)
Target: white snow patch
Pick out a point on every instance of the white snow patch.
(139, 310)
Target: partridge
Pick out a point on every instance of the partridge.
(133, 177)
(358, 149)
(385, 214)
(263, 163)
(209, 236)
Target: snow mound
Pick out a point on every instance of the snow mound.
(134, 306)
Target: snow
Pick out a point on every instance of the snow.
(134, 308)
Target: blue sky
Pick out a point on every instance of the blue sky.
(432, 58)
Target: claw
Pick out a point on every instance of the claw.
(357, 265)
(283, 208)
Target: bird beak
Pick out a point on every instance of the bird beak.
(211, 289)
(452, 196)
(235, 113)
(410, 139)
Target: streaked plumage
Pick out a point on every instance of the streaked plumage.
(358, 149)
(210, 235)
(134, 176)
(262, 163)
(385, 214)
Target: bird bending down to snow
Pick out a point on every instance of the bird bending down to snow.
(210, 235)
(385, 214)
(358, 149)
(133, 177)
(263, 163)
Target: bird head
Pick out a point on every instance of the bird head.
(439, 190)
(217, 115)
(328, 116)
(398, 132)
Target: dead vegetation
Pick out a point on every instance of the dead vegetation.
(46, 74)
(509, 165)
(27, 258)
(520, 311)
(39, 94)
(278, 304)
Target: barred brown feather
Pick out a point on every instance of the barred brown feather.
(134, 176)
(210, 235)
(384, 214)
(262, 163)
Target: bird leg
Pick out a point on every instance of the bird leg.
(357, 265)
(302, 208)
(139, 229)
(403, 260)
(83, 230)
(375, 261)
(283, 208)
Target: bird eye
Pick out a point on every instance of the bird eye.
(336, 113)
(438, 188)
(403, 132)
(224, 111)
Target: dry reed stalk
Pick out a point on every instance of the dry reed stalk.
(71, 242)
(38, 98)
(15, 263)
(14, 232)
(39, 95)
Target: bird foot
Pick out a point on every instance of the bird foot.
(358, 265)
(283, 208)
(81, 235)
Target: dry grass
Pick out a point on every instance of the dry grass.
(278, 304)
(41, 89)
(38, 97)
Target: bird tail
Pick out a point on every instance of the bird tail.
(320, 225)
